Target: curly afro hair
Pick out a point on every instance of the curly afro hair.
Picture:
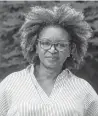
(64, 16)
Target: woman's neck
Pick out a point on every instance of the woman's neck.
(43, 73)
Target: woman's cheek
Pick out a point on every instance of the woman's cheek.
(63, 56)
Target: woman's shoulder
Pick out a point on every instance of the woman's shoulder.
(14, 77)
(77, 79)
(82, 83)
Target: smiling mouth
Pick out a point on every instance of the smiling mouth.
(53, 58)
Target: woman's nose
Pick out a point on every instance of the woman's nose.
(53, 49)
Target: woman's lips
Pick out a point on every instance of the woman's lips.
(53, 58)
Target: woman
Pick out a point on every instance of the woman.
(53, 41)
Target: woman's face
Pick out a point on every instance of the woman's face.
(54, 56)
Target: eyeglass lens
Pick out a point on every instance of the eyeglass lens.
(58, 46)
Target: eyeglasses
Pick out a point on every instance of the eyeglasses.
(60, 46)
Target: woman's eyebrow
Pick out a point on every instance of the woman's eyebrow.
(48, 39)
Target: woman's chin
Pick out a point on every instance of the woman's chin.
(51, 64)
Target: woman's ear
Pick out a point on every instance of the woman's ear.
(74, 51)
(73, 48)
(36, 48)
(69, 51)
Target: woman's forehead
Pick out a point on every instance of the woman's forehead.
(54, 33)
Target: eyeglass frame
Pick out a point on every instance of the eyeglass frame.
(52, 44)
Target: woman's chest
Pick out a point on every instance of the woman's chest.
(47, 86)
(54, 109)
(34, 103)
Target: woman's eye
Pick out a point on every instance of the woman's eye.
(46, 43)
(62, 45)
